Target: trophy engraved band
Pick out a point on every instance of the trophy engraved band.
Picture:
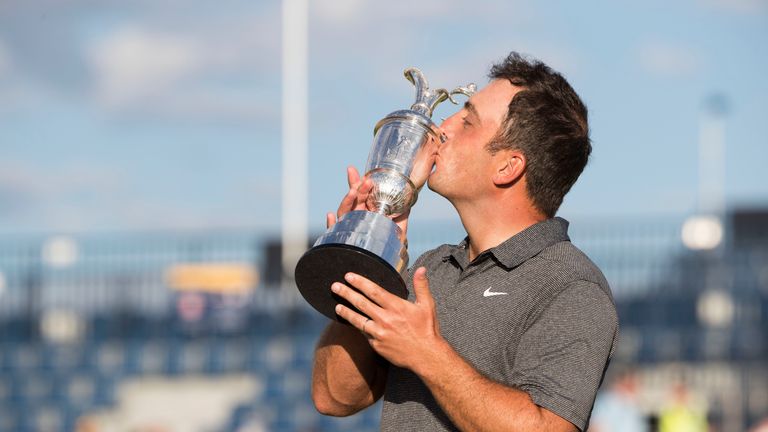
(368, 242)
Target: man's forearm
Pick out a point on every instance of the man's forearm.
(347, 375)
(476, 403)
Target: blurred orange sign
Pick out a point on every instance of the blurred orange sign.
(221, 278)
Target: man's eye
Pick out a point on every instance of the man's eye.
(465, 122)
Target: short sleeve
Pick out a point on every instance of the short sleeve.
(561, 358)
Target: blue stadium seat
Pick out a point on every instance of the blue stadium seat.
(173, 356)
(79, 391)
(19, 414)
(48, 418)
(351, 423)
(6, 350)
(279, 354)
(106, 386)
(256, 353)
(10, 418)
(371, 416)
(248, 417)
(296, 384)
(229, 355)
(153, 360)
(98, 328)
(17, 330)
(304, 350)
(71, 417)
(295, 414)
(109, 358)
(6, 387)
(33, 387)
(192, 356)
(133, 351)
(64, 357)
(26, 357)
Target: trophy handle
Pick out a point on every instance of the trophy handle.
(418, 80)
(427, 100)
(467, 90)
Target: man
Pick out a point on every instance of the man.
(618, 408)
(513, 328)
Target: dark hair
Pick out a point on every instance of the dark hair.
(547, 122)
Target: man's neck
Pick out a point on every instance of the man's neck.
(488, 226)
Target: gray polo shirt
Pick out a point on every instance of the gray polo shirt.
(532, 313)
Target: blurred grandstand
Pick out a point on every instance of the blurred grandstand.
(196, 331)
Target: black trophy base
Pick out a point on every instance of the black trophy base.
(325, 264)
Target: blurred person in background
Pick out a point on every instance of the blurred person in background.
(683, 413)
(513, 328)
(617, 408)
(87, 423)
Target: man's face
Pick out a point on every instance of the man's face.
(463, 167)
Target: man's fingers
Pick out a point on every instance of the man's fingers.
(421, 287)
(347, 203)
(362, 194)
(358, 321)
(357, 300)
(374, 292)
(423, 163)
(365, 187)
(353, 177)
(350, 201)
(330, 220)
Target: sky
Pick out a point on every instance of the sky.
(123, 116)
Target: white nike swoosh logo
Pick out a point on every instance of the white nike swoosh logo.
(488, 293)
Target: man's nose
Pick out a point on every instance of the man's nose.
(442, 136)
(446, 127)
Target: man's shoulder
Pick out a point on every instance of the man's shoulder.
(567, 259)
(567, 253)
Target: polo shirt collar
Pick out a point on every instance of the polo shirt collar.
(521, 246)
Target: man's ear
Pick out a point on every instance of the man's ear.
(510, 167)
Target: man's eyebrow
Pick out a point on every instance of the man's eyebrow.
(471, 108)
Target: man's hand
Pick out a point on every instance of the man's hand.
(407, 334)
(359, 188)
(424, 162)
(355, 199)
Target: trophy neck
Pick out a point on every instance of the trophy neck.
(412, 117)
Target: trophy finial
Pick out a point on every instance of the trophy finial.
(427, 100)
